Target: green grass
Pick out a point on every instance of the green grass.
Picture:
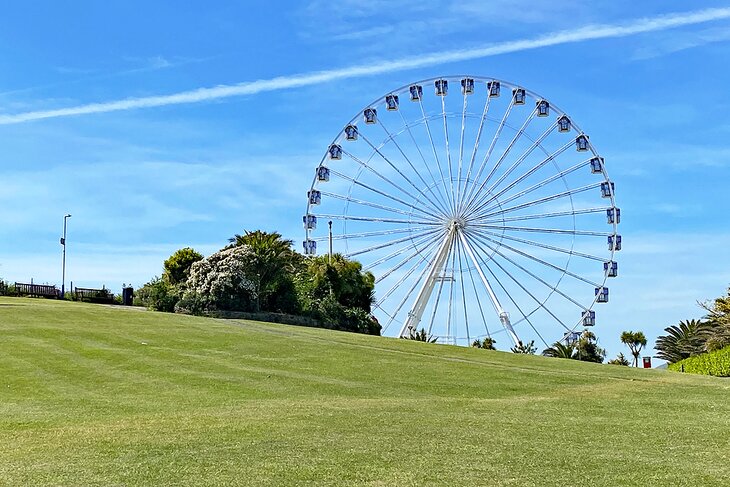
(96, 395)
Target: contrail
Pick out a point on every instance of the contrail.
(589, 32)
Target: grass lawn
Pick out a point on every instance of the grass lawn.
(97, 395)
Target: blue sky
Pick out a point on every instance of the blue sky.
(142, 181)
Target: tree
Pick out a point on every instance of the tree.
(683, 340)
(272, 266)
(221, 282)
(587, 349)
(339, 277)
(718, 322)
(526, 348)
(421, 336)
(636, 341)
(559, 350)
(487, 343)
(619, 360)
(177, 266)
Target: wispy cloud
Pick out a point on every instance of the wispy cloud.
(590, 32)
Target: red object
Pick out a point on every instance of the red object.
(647, 362)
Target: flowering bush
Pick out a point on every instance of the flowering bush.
(221, 282)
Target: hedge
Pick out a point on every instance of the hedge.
(713, 363)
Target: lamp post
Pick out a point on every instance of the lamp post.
(63, 272)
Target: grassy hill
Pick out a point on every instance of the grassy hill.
(95, 395)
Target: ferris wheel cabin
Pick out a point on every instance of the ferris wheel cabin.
(543, 108)
(310, 247)
(614, 242)
(442, 87)
(335, 152)
(310, 222)
(607, 189)
(589, 318)
(597, 165)
(416, 92)
(602, 295)
(610, 268)
(564, 124)
(370, 115)
(351, 133)
(315, 197)
(391, 103)
(613, 215)
(323, 174)
(493, 89)
(581, 143)
(467, 86)
(518, 94)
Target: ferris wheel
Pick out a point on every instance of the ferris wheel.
(479, 206)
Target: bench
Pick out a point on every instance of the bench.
(40, 290)
(102, 295)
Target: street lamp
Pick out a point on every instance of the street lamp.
(63, 242)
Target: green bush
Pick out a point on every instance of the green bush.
(712, 363)
(158, 295)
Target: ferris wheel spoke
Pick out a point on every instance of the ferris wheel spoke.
(432, 204)
(479, 302)
(345, 236)
(525, 316)
(436, 201)
(527, 291)
(532, 188)
(463, 293)
(433, 146)
(479, 202)
(425, 164)
(436, 306)
(544, 246)
(367, 166)
(426, 269)
(528, 272)
(400, 282)
(350, 199)
(485, 160)
(564, 270)
(414, 245)
(393, 242)
(383, 193)
(543, 230)
(461, 147)
(451, 293)
(325, 216)
(485, 111)
(432, 241)
(448, 152)
(555, 214)
(538, 201)
(505, 153)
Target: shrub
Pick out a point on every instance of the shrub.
(712, 363)
(220, 282)
(158, 295)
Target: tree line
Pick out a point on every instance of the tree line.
(259, 272)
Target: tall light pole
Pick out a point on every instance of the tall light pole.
(63, 242)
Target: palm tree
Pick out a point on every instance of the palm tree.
(636, 341)
(487, 343)
(274, 260)
(683, 340)
(421, 336)
(559, 350)
(526, 348)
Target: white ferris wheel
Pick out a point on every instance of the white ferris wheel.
(480, 207)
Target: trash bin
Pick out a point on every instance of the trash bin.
(647, 362)
(127, 295)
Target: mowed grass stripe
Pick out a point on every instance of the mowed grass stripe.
(211, 402)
